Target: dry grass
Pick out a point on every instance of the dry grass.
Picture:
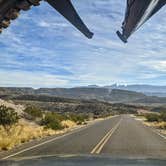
(68, 124)
(158, 125)
(26, 131)
(140, 118)
(20, 133)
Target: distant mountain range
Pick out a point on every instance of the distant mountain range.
(113, 93)
(149, 90)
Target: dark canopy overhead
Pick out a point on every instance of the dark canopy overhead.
(137, 13)
(66, 8)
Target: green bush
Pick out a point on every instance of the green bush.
(34, 112)
(51, 121)
(60, 117)
(8, 117)
(156, 117)
(152, 117)
(163, 116)
(78, 118)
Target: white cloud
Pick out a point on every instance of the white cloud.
(30, 79)
(156, 65)
(42, 44)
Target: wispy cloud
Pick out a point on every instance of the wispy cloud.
(31, 79)
(42, 49)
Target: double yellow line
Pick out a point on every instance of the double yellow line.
(98, 148)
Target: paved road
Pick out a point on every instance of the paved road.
(121, 136)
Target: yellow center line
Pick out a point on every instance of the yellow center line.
(98, 145)
(51, 140)
(97, 149)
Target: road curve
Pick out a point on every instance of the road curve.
(120, 136)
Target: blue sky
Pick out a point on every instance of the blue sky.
(41, 49)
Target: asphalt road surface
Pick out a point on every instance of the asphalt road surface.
(121, 136)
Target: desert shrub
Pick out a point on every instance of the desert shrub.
(78, 118)
(152, 117)
(52, 121)
(162, 125)
(60, 117)
(163, 116)
(21, 133)
(34, 112)
(8, 117)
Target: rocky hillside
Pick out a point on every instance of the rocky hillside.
(18, 108)
(118, 95)
(102, 94)
(83, 93)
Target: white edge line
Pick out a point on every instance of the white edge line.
(153, 130)
(51, 140)
(164, 137)
(45, 142)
